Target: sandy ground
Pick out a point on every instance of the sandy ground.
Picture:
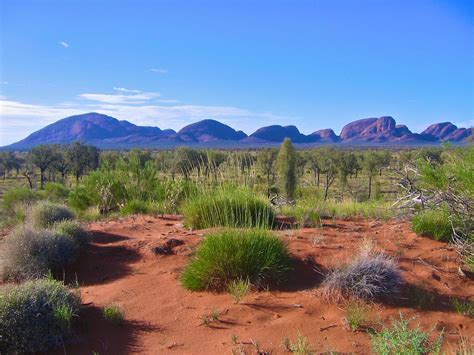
(162, 317)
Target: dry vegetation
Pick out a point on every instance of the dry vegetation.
(325, 231)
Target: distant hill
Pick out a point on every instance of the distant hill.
(108, 132)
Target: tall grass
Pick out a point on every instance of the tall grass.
(228, 207)
(435, 224)
(237, 254)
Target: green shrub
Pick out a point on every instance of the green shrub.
(35, 316)
(304, 217)
(73, 230)
(81, 198)
(228, 208)
(136, 207)
(31, 253)
(114, 313)
(435, 224)
(18, 197)
(401, 339)
(45, 214)
(238, 289)
(232, 255)
(55, 191)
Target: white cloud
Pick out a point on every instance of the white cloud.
(125, 98)
(4, 82)
(159, 70)
(465, 124)
(127, 90)
(64, 44)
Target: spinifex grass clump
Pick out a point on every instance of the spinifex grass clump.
(45, 214)
(73, 230)
(227, 207)
(370, 276)
(435, 224)
(35, 316)
(233, 255)
(31, 253)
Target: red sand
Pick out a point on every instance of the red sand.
(162, 317)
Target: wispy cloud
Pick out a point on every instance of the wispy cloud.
(64, 44)
(127, 90)
(158, 70)
(4, 82)
(125, 98)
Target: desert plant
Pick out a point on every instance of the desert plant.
(286, 169)
(55, 191)
(435, 224)
(212, 317)
(463, 307)
(370, 276)
(357, 314)
(19, 197)
(73, 230)
(231, 255)
(300, 346)
(35, 316)
(228, 207)
(135, 207)
(45, 214)
(238, 289)
(31, 253)
(400, 339)
(114, 313)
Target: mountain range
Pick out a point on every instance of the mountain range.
(108, 132)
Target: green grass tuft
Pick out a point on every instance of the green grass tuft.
(401, 339)
(232, 255)
(228, 208)
(435, 224)
(114, 314)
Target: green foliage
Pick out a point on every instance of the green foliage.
(400, 339)
(232, 255)
(228, 207)
(55, 191)
(32, 252)
(136, 207)
(463, 307)
(45, 214)
(435, 224)
(238, 289)
(114, 314)
(73, 230)
(81, 198)
(357, 314)
(300, 346)
(286, 169)
(304, 217)
(43, 156)
(35, 316)
(19, 196)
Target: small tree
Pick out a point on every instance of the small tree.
(286, 169)
(329, 165)
(43, 156)
(371, 165)
(81, 158)
(266, 160)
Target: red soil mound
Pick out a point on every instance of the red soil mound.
(161, 317)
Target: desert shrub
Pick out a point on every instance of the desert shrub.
(300, 346)
(135, 207)
(19, 197)
(31, 253)
(358, 314)
(114, 313)
(433, 223)
(370, 276)
(73, 230)
(303, 216)
(81, 198)
(55, 191)
(232, 255)
(35, 316)
(401, 339)
(45, 214)
(173, 194)
(238, 289)
(228, 208)
(463, 307)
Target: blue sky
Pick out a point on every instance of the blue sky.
(315, 64)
